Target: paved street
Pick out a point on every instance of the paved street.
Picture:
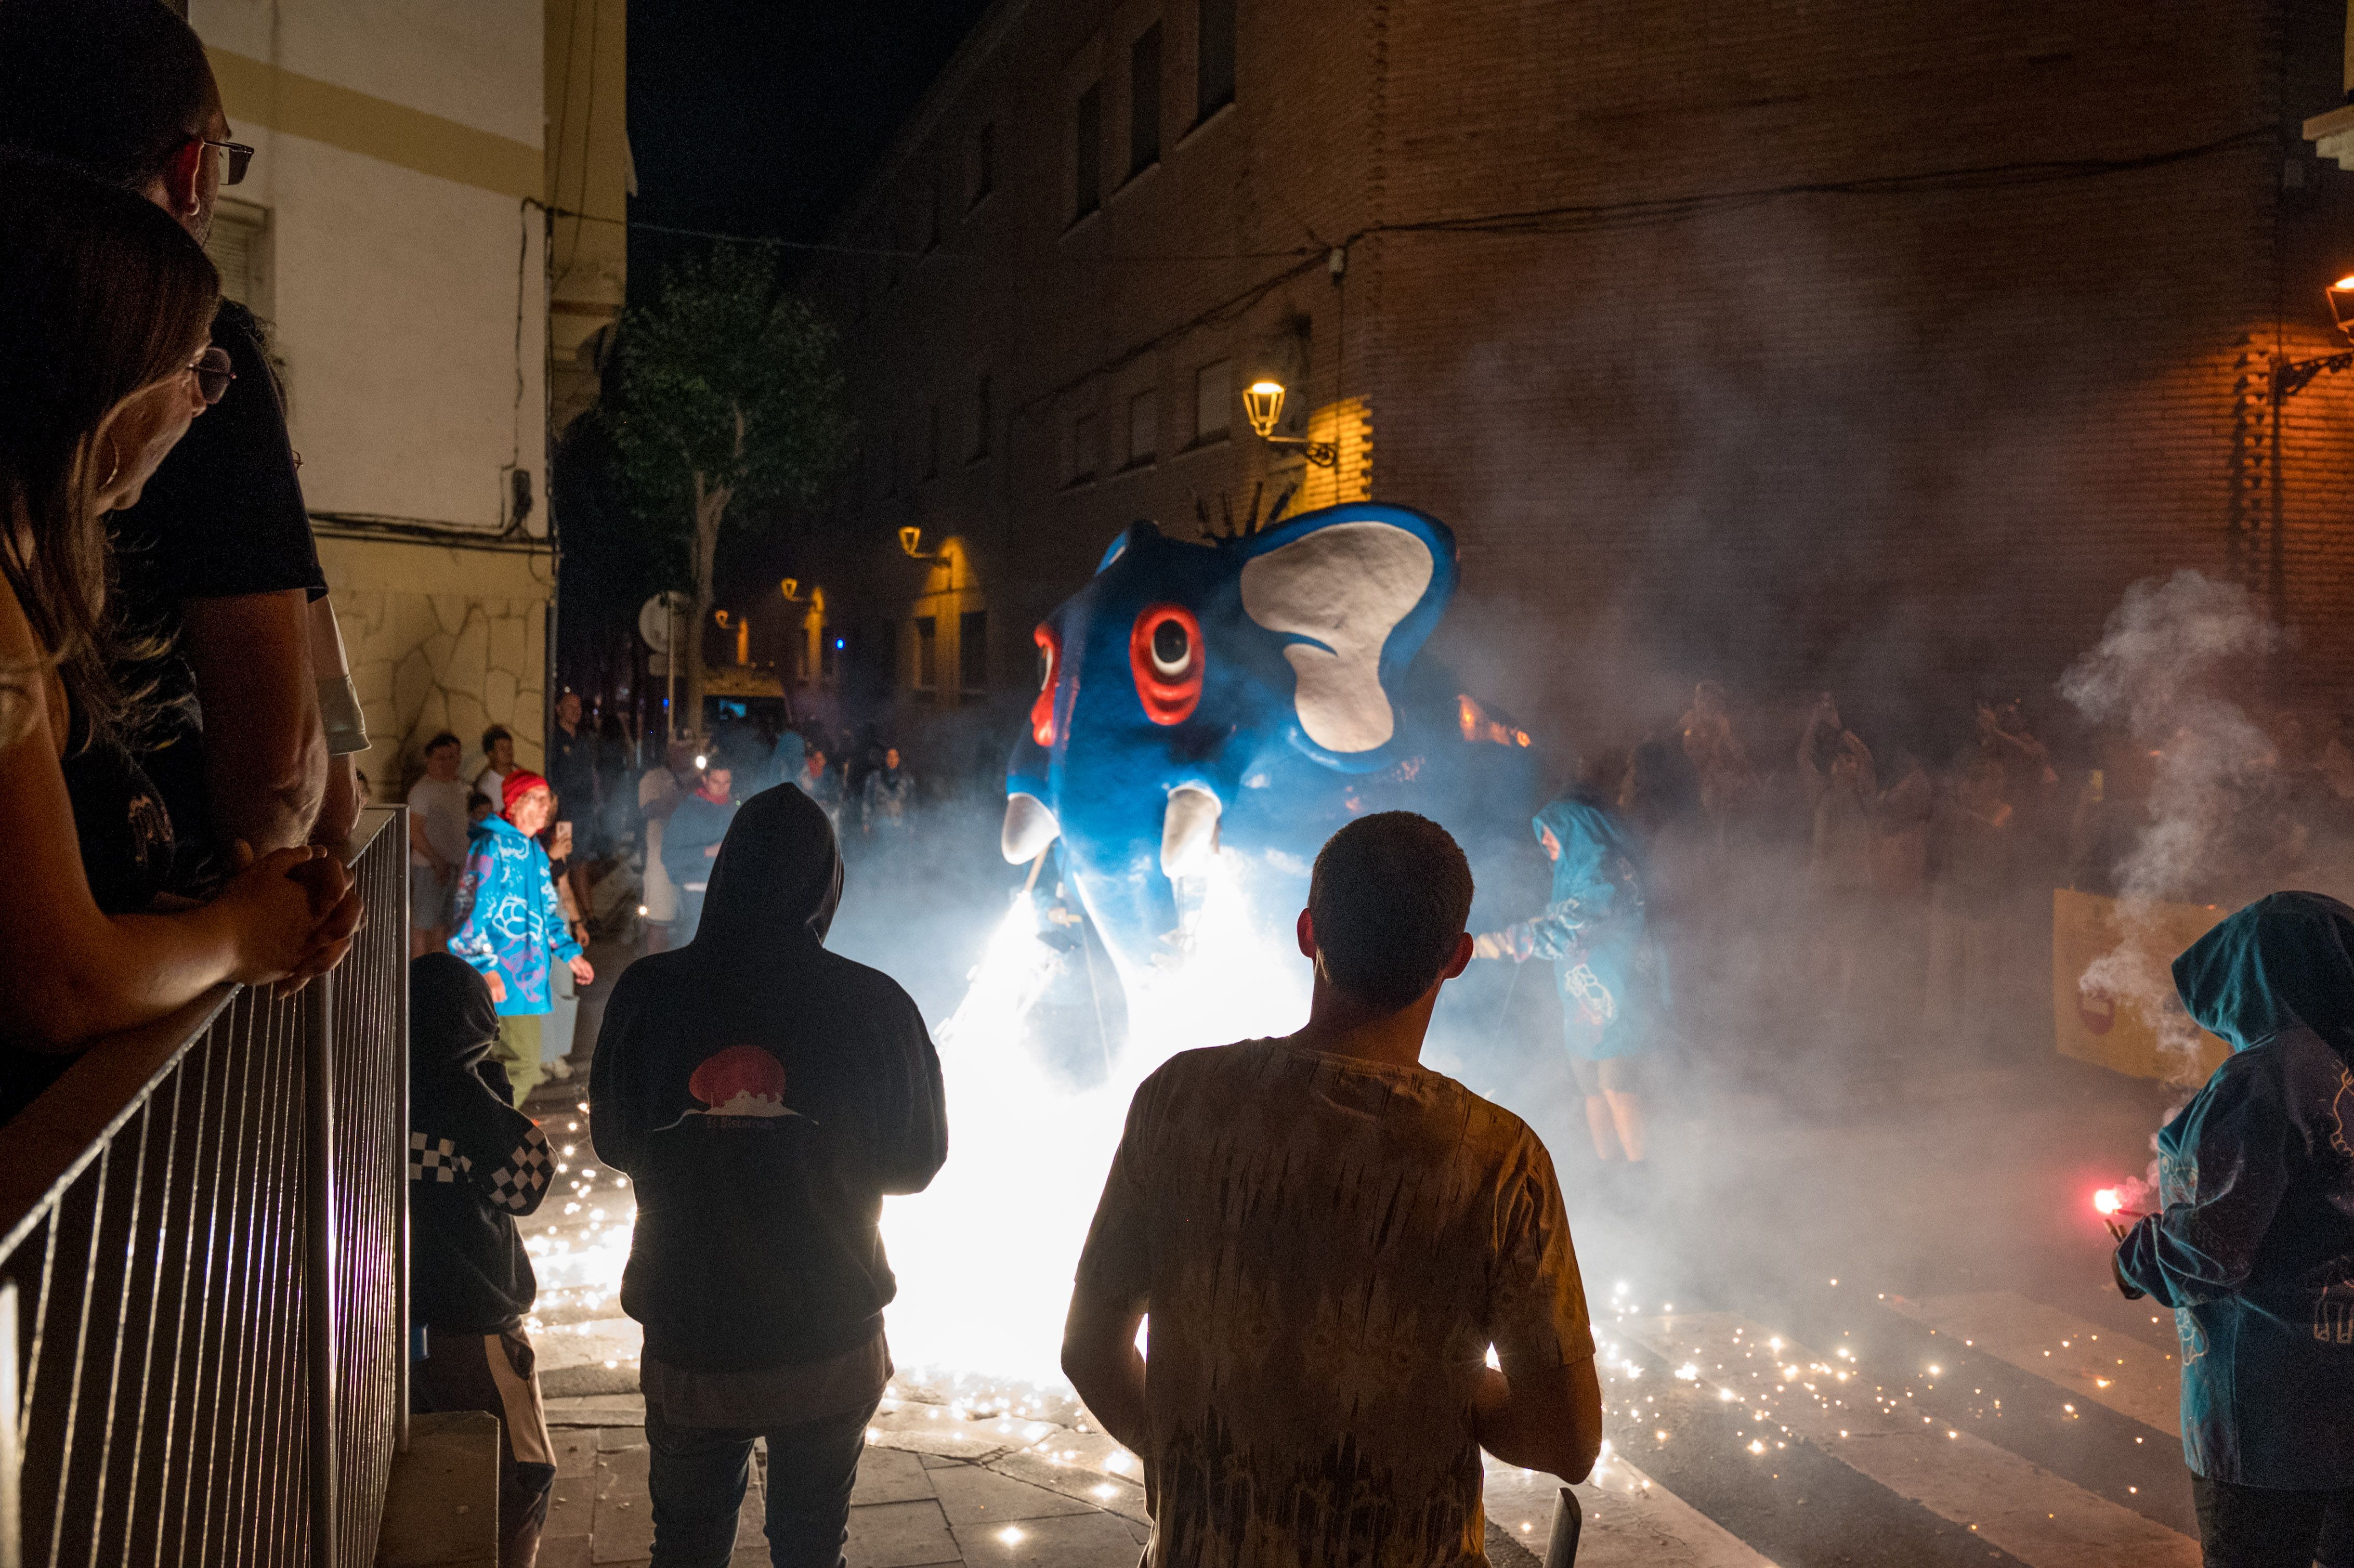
(1971, 1393)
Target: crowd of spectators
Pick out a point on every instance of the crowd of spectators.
(1861, 883)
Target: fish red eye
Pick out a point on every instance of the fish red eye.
(1165, 650)
(1050, 664)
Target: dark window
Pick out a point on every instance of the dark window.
(927, 648)
(932, 441)
(1144, 101)
(1143, 427)
(1214, 399)
(1214, 59)
(1082, 464)
(1088, 130)
(972, 651)
(980, 416)
(984, 161)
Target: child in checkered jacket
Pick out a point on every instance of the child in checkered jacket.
(475, 1163)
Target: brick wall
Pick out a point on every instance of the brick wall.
(1912, 438)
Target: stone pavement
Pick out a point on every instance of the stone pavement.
(940, 1484)
(950, 1480)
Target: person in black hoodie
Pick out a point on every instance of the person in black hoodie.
(763, 1095)
(475, 1163)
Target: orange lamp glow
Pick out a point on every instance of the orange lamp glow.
(1263, 404)
(2341, 303)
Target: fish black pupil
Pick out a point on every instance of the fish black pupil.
(1169, 643)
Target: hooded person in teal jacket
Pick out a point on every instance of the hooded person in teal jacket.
(2253, 1245)
(510, 926)
(1603, 959)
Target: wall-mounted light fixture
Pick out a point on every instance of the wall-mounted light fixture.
(792, 589)
(2291, 376)
(1263, 405)
(911, 540)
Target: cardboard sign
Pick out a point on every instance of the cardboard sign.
(2094, 1023)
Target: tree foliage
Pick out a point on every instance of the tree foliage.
(730, 406)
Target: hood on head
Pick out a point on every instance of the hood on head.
(778, 873)
(1590, 833)
(452, 1022)
(2283, 962)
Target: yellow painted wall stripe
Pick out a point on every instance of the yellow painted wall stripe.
(257, 92)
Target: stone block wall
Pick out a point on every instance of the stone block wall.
(439, 639)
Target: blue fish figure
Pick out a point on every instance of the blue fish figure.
(1243, 696)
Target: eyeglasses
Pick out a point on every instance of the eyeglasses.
(240, 155)
(211, 369)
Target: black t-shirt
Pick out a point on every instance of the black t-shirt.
(222, 518)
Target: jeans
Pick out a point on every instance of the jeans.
(697, 1476)
(2260, 1527)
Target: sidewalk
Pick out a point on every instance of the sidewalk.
(941, 1483)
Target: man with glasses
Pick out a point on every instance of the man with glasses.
(218, 554)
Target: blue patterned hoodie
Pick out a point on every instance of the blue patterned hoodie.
(509, 921)
(2253, 1247)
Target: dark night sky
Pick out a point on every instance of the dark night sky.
(763, 116)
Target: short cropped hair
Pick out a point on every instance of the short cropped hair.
(439, 741)
(116, 86)
(496, 734)
(1389, 897)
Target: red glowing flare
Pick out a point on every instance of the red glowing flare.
(2108, 1201)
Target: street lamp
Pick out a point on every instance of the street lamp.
(911, 540)
(2291, 376)
(1263, 405)
(792, 589)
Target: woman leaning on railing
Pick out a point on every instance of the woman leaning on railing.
(105, 306)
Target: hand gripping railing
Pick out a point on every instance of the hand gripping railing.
(202, 1255)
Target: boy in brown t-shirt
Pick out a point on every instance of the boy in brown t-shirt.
(1328, 1238)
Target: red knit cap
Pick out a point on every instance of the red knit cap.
(519, 783)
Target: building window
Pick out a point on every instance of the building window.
(1083, 456)
(984, 163)
(932, 440)
(1214, 59)
(1087, 130)
(928, 651)
(1143, 427)
(1214, 399)
(1144, 101)
(972, 652)
(239, 248)
(980, 416)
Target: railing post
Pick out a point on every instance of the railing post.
(319, 1284)
(12, 1448)
(400, 1172)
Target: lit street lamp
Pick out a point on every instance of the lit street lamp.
(1263, 404)
(2291, 376)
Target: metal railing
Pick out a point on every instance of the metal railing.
(202, 1253)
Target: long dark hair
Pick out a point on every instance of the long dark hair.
(100, 295)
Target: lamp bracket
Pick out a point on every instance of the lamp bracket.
(2291, 376)
(1321, 453)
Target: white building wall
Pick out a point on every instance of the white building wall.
(409, 307)
(399, 159)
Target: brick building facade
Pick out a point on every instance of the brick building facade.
(1802, 345)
